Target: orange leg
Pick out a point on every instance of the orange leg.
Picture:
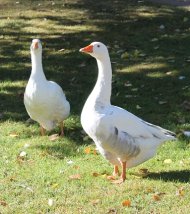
(62, 129)
(116, 170)
(42, 130)
(123, 174)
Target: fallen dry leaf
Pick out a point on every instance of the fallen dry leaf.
(3, 203)
(44, 153)
(167, 161)
(14, 134)
(53, 137)
(20, 160)
(87, 150)
(12, 178)
(144, 171)
(104, 175)
(149, 190)
(112, 211)
(76, 167)
(95, 174)
(55, 185)
(75, 177)
(119, 181)
(157, 196)
(126, 203)
(111, 177)
(180, 192)
(95, 201)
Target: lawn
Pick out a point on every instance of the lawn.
(149, 49)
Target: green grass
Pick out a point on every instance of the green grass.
(150, 58)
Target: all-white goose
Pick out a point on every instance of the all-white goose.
(44, 100)
(121, 137)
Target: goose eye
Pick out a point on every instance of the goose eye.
(98, 46)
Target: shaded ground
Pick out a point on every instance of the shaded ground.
(174, 2)
(137, 44)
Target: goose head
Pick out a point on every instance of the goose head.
(36, 46)
(96, 49)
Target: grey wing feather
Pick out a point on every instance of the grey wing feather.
(164, 131)
(123, 144)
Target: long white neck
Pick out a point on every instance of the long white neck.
(37, 68)
(102, 90)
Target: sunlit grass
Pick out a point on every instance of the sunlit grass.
(144, 67)
(148, 12)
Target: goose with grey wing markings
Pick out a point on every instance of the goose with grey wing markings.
(122, 138)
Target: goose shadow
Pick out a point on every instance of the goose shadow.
(58, 151)
(182, 176)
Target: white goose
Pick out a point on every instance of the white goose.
(44, 100)
(122, 138)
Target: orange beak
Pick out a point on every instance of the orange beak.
(87, 49)
(35, 45)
